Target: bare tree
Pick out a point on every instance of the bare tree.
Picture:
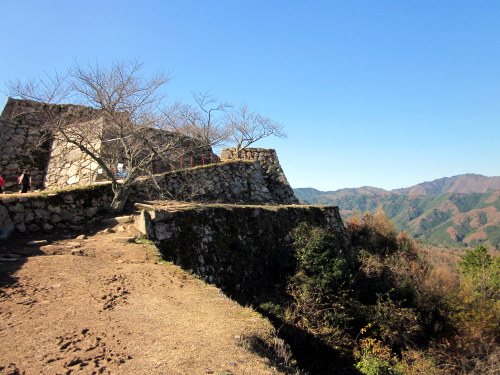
(132, 114)
(124, 120)
(246, 127)
(48, 88)
(205, 120)
(125, 123)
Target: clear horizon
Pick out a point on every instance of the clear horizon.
(402, 187)
(372, 93)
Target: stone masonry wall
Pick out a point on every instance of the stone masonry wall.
(68, 165)
(27, 142)
(20, 148)
(268, 159)
(24, 141)
(34, 212)
(242, 249)
(230, 182)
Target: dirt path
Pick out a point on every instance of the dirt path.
(97, 306)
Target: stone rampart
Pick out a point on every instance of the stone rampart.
(29, 140)
(68, 165)
(26, 141)
(242, 249)
(228, 182)
(21, 145)
(61, 209)
(276, 180)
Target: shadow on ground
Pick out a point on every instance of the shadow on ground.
(15, 250)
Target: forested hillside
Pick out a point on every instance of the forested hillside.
(444, 217)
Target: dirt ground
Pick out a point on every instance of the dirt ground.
(85, 302)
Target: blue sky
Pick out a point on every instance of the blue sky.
(376, 92)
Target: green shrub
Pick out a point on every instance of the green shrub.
(374, 358)
(482, 271)
(371, 365)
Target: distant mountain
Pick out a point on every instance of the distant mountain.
(465, 183)
(456, 211)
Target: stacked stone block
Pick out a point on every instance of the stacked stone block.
(268, 159)
(22, 145)
(241, 249)
(69, 166)
(63, 209)
(26, 143)
(232, 182)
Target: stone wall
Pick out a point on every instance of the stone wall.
(68, 165)
(25, 141)
(65, 208)
(268, 159)
(21, 145)
(242, 249)
(229, 182)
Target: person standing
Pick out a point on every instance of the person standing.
(2, 184)
(25, 181)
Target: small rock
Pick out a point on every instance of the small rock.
(76, 252)
(121, 228)
(107, 230)
(82, 237)
(118, 220)
(73, 244)
(36, 243)
(124, 239)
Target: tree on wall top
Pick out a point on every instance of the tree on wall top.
(246, 127)
(226, 124)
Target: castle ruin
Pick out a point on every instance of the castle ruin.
(56, 164)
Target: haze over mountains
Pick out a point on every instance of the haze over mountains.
(462, 210)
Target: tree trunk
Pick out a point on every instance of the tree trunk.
(119, 199)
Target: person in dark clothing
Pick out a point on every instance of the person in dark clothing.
(25, 181)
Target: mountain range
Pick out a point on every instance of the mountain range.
(456, 211)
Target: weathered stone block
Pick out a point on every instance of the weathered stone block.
(6, 224)
(42, 214)
(16, 208)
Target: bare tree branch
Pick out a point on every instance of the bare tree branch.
(246, 127)
(124, 124)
